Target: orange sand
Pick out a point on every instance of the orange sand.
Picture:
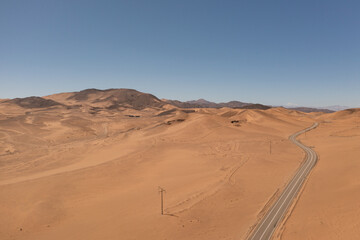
(329, 207)
(79, 174)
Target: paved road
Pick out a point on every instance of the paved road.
(268, 224)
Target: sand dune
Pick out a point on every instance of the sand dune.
(84, 170)
(328, 207)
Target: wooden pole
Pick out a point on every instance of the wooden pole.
(162, 190)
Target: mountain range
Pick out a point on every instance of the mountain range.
(130, 98)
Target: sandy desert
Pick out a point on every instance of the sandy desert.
(89, 164)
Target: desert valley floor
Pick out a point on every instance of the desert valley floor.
(83, 166)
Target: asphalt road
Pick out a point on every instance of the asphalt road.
(268, 224)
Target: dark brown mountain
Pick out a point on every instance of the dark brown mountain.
(180, 104)
(33, 102)
(202, 103)
(109, 98)
(234, 104)
(255, 106)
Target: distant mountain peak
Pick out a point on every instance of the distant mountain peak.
(335, 108)
(202, 103)
(309, 110)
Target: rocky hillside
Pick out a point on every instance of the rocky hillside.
(109, 98)
(33, 102)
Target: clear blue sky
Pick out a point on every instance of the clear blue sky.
(273, 52)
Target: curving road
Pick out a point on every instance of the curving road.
(268, 224)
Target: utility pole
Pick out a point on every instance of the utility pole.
(161, 191)
(270, 146)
